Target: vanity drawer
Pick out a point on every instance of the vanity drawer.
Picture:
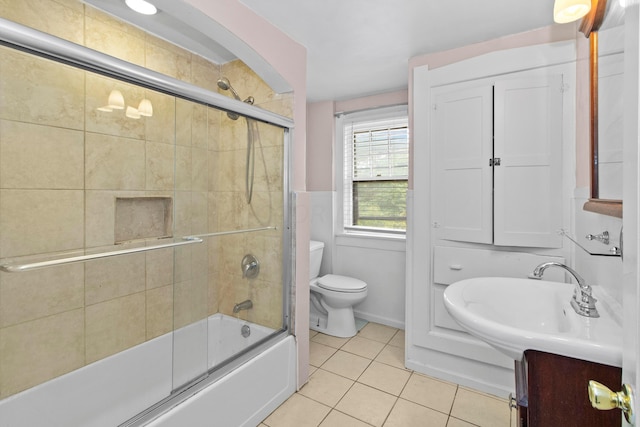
(452, 264)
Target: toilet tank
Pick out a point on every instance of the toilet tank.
(315, 258)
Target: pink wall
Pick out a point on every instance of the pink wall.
(321, 134)
(290, 60)
(320, 146)
(549, 34)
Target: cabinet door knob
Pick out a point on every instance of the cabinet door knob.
(603, 399)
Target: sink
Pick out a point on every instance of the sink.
(514, 315)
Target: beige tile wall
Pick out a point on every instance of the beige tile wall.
(62, 165)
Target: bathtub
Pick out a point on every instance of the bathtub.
(115, 389)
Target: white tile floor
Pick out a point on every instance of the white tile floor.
(361, 381)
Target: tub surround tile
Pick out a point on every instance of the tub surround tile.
(160, 127)
(114, 325)
(42, 157)
(200, 125)
(40, 221)
(159, 315)
(114, 123)
(159, 166)
(62, 19)
(114, 163)
(92, 158)
(204, 74)
(200, 169)
(167, 59)
(189, 302)
(184, 118)
(37, 351)
(39, 91)
(40, 293)
(267, 303)
(107, 35)
(214, 123)
(114, 277)
(116, 24)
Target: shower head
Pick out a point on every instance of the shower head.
(225, 84)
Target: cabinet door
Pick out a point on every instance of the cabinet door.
(462, 146)
(528, 181)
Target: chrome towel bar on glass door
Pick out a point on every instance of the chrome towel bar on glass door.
(18, 268)
(224, 233)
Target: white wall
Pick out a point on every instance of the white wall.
(381, 264)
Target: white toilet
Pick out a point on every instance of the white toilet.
(332, 298)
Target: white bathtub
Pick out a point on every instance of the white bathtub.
(109, 392)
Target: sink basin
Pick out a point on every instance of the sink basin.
(514, 315)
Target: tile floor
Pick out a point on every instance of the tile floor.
(361, 382)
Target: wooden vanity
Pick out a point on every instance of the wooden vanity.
(552, 391)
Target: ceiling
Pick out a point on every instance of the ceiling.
(362, 47)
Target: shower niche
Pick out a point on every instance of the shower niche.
(142, 218)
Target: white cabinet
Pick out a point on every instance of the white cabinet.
(497, 161)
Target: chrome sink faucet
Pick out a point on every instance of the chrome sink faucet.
(582, 302)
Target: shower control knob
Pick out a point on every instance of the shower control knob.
(250, 266)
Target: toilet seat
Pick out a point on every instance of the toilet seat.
(336, 283)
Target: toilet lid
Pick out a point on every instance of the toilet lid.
(333, 282)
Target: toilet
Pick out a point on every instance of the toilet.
(332, 298)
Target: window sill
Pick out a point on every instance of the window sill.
(390, 242)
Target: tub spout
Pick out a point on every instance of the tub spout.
(244, 305)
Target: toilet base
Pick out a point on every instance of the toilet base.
(338, 323)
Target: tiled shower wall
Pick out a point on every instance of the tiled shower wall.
(62, 165)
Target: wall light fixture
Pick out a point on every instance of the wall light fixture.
(565, 11)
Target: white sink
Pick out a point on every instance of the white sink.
(514, 315)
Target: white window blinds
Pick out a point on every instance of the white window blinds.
(376, 169)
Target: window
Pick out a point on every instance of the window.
(376, 169)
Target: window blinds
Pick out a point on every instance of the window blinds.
(376, 169)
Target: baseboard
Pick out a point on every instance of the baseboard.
(379, 319)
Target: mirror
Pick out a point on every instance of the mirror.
(606, 40)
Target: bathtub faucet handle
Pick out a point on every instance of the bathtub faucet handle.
(250, 266)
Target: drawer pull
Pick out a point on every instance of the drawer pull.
(456, 267)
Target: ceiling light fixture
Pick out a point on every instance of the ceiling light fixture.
(565, 11)
(142, 6)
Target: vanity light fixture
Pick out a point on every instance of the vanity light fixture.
(565, 11)
(142, 6)
(116, 100)
(132, 113)
(145, 108)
